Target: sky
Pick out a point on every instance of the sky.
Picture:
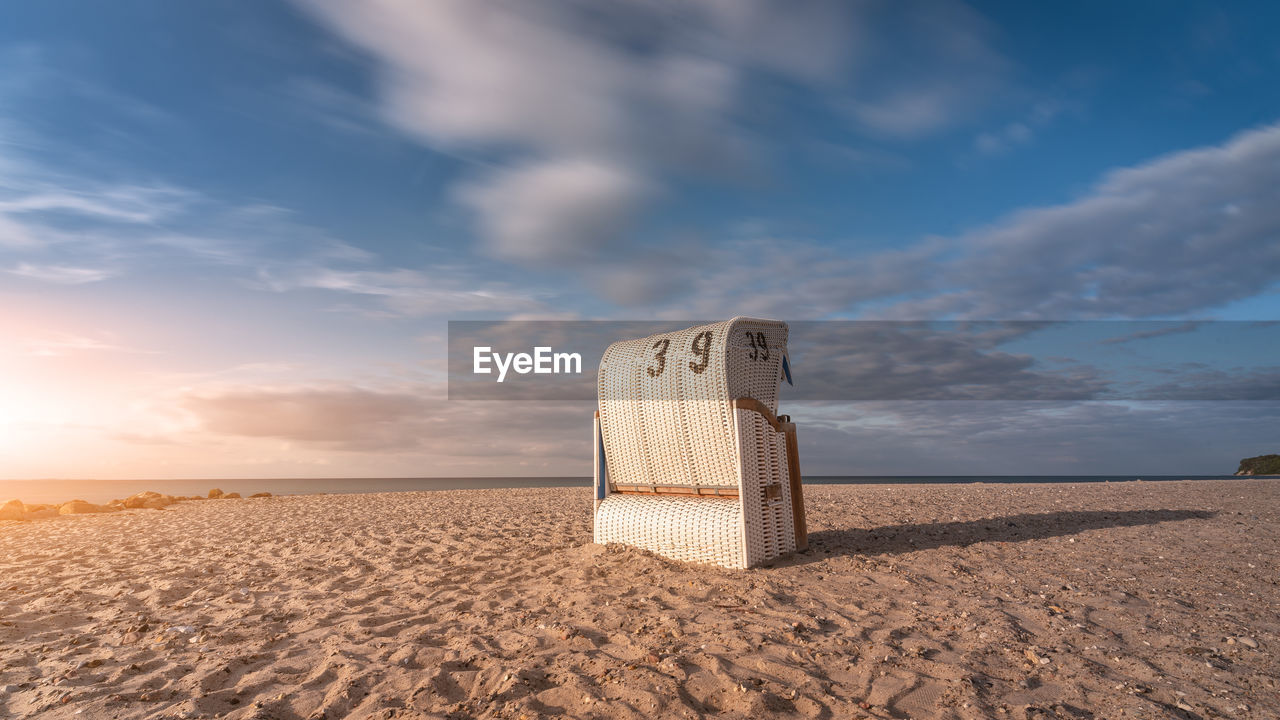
(232, 234)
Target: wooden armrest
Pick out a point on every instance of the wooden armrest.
(784, 425)
(754, 405)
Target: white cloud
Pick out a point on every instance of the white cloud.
(68, 231)
(1031, 438)
(560, 77)
(628, 93)
(593, 101)
(347, 418)
(766, 277)
(408, 292)
(908, 113)
(32, 199)
(61, 274)
(415, 420)
(895, 438)
(60, 344)
(462, 72)
(124, 203)
(1181, 234)
(555, 211)
(14, 234)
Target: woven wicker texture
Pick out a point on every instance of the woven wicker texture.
(664, 400)
(768, 526)
(701, 530)
(666, 419)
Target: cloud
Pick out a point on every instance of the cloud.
(918, 111)
(867, 438)
(61, 344)
(56, 226)
(589, 113)
(59, 223)
(407, 292)
(356, 419)
(585, 104)
(1031, 438)
(1023, 130)
(124, 203)
(61, 274)
(909, 113)
(1215, 384)
(1185, 327)
(567, 78)
(1184, 233)
(14, 234)
(345, 418)
(315, 100)
(555, 211)
(765, 277)
(41, 209)
(954, 69)
(1189, 231)
(1011, 135)
(914, 361)
(589, 109)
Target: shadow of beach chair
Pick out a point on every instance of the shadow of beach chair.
(692, 461)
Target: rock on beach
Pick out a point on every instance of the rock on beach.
(80, 507)
(149, 499)
(17, 510)
(12, 510)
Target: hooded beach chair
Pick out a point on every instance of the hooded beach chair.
(692, 460)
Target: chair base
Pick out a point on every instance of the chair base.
(759, 520)
(691, 529)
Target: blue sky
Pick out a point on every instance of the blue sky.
(231, 234)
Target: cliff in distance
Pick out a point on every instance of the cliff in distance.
(1261, 465)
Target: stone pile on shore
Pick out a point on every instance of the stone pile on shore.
(149, 500)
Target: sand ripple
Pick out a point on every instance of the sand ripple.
(976, 601)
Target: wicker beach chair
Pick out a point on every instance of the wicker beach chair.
(692, 461)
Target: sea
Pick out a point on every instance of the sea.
(101, 491)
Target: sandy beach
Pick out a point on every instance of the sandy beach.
(1135, 600)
